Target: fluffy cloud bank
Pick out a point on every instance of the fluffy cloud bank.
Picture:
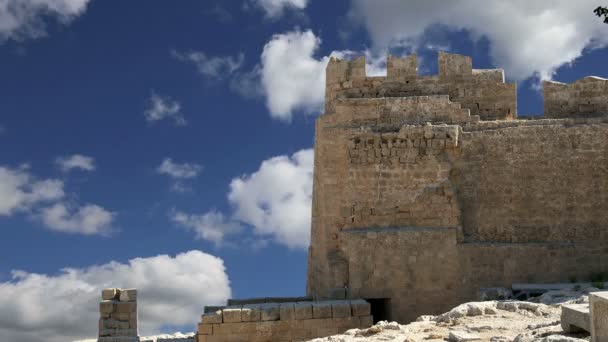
(64, 307)
(21, 19)
(526, 38)
(275, 201)
(44, 199)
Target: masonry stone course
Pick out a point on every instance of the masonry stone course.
(118, 315)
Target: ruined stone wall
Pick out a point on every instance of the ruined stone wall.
(483, 92)
(584, 98)
(118, 315)
(290, 321)
(419, 201)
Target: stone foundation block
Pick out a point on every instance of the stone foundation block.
(270, 312)
(340, 309)
(205, 329)
(366, 321)
(360, 307)
(251, 313)
(575, 317)
(287, 311)
(303, 310)
(232, 314)
(212, 317)
(321, 310)
(598, 304)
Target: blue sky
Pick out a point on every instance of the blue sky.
(167, 145)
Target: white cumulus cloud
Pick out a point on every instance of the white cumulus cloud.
(76, 161)
(162, 107)
(275, 201)
(293, 79)
(21, 19)
(275, 8)
(211, 66)
(527, 38)
(89, 219)
(65, 306)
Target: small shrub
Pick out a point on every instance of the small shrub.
(598, 284)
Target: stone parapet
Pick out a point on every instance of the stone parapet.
(586, 97)
(290, 321)
(118, 315)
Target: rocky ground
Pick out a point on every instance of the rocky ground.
(496, 321)
(537, 320)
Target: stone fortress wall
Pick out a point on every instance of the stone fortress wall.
(427, 188)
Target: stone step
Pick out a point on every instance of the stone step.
(575, 317)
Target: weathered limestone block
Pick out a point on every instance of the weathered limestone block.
(269, 312)
(128, 295)
(125, 307)
(340, 309)
(366, 321)
(106, 306)
(287, 311)
(321, 310)
(109, 294)
(212, 317)
(360, 307)
(303, 310)
(575, 317)
(205, 329)
(232, 314)
(251, 313)
(598, 304)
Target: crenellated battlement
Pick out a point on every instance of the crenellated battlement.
(483, 92)
(586, 97)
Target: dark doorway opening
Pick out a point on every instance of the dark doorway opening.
(381, 309)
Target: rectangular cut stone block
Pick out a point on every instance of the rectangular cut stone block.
(121, 316)
(360, 307)
(109, 294)
(232, 314)
(205, 329)
(366, 321)
(106, 306)
(287, 311)
(303, 310)
(321, 310)
(128, 295)
(340, 309)
(212, 317)
(575, 317)
(125, 307)
(251, 313)
(598, 304)
(270, 312)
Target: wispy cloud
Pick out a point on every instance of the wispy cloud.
(76, 161)
(217, 67)
(89, 219)
(163, 107)
(179, 173)
(276, 8)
